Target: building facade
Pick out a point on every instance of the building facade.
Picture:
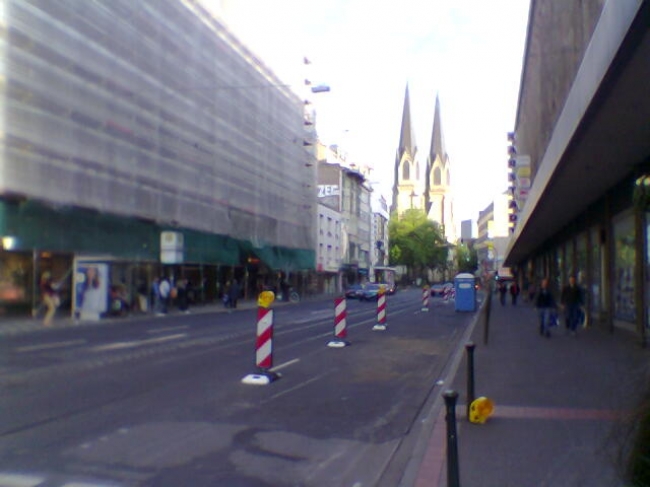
(493, 237)
(108, 145)
(380, 239)
(582, 119)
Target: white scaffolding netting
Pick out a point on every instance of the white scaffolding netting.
(151, 109)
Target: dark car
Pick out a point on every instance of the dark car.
(441, 289)
(437, 289)
(354, 291)
(370, 291)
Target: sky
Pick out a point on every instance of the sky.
(468, 52)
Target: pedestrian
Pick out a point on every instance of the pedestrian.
(531, 292)
(49, 297)
(514, 292)
(164, 291)
(546, 307)
(155, 295)
(503, 289)
(182, 296)
(233, 293)
(142, 296)
(225, 297)
(571, 301)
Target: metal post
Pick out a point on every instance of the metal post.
(488, 306)
(470, 375)
(453, 479)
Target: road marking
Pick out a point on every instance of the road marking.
(298, 386)
(286, 364)
(561, 413)
(168, 328)
(84, 484)
(138, 343)
(19, 480)
(48, 346)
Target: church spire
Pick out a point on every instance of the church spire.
(437, 139)
(407, 173)
(407, 137)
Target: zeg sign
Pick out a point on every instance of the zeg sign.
(325, 190)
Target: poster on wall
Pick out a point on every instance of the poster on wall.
(90, 290)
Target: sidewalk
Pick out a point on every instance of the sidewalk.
(563, 406)
(21, 325)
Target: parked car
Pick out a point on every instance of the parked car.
(354, 291)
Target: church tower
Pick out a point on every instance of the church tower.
(408, 189)
(438, 194)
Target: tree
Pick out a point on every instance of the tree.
(416, 242)
(466, 258)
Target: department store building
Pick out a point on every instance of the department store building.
(583, 128)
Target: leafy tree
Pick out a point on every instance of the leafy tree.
(466, 258)
(416, 242)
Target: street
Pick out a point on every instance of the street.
(160, 402)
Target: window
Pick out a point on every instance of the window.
(624, 260)
(437, 177)
(406, 171)
(596, 265)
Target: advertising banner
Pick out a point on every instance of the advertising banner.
(90, 289)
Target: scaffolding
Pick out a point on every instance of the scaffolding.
(151, 110)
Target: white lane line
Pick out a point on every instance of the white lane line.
(48, 346)
(286, 364)
(138, 343)
(168, 328)
(298, 386)
(19, 480)
(84, 484)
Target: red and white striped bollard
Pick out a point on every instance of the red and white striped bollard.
(381, 310)
(425, 298)
(340, 324)
(263, 343)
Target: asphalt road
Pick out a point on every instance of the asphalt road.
(160, 402)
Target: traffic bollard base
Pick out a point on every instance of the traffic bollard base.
(425, 310)
(338, 343)
(261, 379)
(379, 327)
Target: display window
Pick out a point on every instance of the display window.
(624, 264)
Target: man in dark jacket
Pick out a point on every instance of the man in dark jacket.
(545, 304)
(571, 301)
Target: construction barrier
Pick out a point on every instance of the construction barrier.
(426, 293)
(264, 342)
(381, 310)
(340, 324)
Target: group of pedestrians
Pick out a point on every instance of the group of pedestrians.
(503, 289)
(163, 293)
(571, 302)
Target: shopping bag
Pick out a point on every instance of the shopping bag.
(554, 319)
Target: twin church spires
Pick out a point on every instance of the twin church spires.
(425, 186)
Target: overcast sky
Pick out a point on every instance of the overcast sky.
(469, 52)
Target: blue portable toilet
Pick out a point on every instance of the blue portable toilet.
(464, 285)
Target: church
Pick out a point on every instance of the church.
(424, 184)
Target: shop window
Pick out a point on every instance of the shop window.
(596, 274)
(624, 262)
(581, 259)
